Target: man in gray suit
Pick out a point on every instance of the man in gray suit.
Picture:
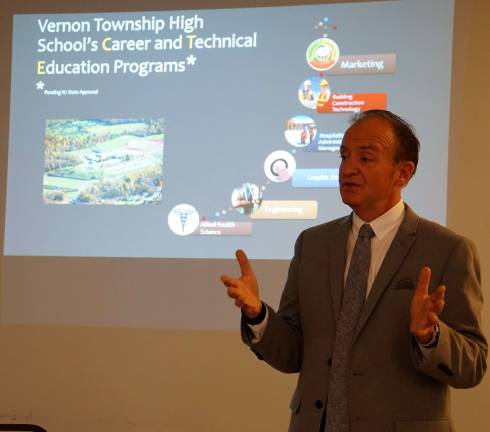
(412, 338)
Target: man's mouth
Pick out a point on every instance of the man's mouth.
(349, 185)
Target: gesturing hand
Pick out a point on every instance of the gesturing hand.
(425, 307)
(244, 290)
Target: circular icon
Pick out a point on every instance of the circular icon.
(246, 198)
(300, 131)
(314, 92)
(279, 166)
(183, 219)
(322, 54)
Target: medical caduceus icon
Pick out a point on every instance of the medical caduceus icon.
(183, 219)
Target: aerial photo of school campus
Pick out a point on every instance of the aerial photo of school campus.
(103, 161)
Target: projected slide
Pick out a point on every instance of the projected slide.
(187, 134)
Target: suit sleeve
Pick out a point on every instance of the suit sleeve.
(459, 359)
(282, 341)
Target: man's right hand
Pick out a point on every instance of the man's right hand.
(244, 290)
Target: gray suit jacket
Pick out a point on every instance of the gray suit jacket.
(391, 388)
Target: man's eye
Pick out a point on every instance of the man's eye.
(366, 159)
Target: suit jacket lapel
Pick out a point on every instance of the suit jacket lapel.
(397, 252)
(338, 251)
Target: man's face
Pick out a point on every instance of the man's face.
(370, 179)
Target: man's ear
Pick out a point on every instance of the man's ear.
(406, 169)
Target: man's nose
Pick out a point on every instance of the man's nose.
(348, 167)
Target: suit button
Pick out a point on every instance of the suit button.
(329, 361)
(259, 356)
(319, 404)
(445, 369)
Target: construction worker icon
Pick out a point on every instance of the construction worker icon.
(306, 95)
(323, 96)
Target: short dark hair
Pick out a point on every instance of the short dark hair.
(408, 143)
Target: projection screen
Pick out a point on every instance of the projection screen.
(146, 147)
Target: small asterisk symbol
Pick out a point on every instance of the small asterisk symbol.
(191, 60)
(39, 85)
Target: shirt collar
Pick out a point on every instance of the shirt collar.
(383, 224)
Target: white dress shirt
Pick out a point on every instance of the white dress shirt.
(385, 228)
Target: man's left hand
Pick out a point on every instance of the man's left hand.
(425, 308)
